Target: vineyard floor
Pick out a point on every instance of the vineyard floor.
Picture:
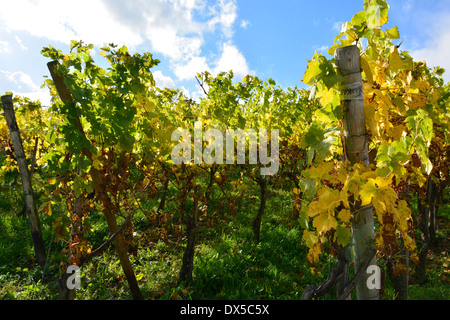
(228, 263)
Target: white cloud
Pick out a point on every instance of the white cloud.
(20, 83)
(20, 42)
(244, 24)
(176, 47)
(436, 51)
(407, 5)
(225, 14)
(89, 20)
(174, 28)
(5, 47)
(163, 81)
(187, 71)
(436, 54)
(321, 48)
(337, 26)
(20, 79)
(232, 59)
(42, 95)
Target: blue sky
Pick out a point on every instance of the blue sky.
(267, 38)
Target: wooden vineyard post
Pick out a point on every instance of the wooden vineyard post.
(30, 206)
(356, 150)
(99, 186)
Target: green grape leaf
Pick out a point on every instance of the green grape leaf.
(342, 236)
(393, 33)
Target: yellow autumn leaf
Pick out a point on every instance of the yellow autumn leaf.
(367, 71)
(320, 171)
(344, 197)
(401, 215)
(423, 85)
(358, 177)
(380, 208)
(313, 254)
(325, 222)
(327, 95)
(149, 106)
(383, 182)
(49, 210)
(410, 244)
(342, 174)
(384, 200)
(379, 73)
(328, 200)
(379, 242)
(95, 162)
(393, 33)
(312, 71)
(413, 257)
(367, 192)
(139, 276)
(395, 61)
(369, 114)
(396, 132)
(310, 238)
(342, 236)
(418, 175)
(345, 215)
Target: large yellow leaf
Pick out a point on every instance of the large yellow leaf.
(357, 179)
(396, 132)
(313, 254)
(320, 171)
(367, 192)
(402, 215)
(149, 106)
(410, 244)
(95, 162)
(49, 209)
(325, 222)
(383, 182)
(378, 188)
(328, 200)
(395, 62)
(345, 215)
(367, 70)
(343, 235)
(310, 238)
(312, 71)
(327, 95)
(369, 114)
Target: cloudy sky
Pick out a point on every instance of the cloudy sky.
(267, 38)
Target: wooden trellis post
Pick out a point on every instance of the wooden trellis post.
(356, 150)
(30, 205)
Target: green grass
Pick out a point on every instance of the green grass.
(20, 276)
(429, 292)
(228, 263)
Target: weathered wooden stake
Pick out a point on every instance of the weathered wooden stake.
(356, 149)
(30, 206)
